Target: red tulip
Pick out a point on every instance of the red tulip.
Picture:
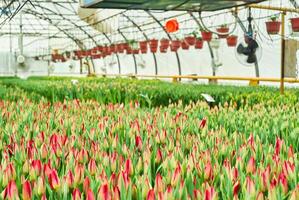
(79, 174)
(76, 195)
(129, 167)
(197, 194)
(291, 152)
(44, 197)
(47, 169)
(70, 179)
(283, 182)
(103, 193)
(236, 188)
(116, 193)
(86, 184)
(44, 151)
(176, 175)
(203, 123)
(251, 165)
(208, 171)
(138, 142)
(54, 180)
(10, 172)
(26, 191)
(250, 188)
(288, 169)
(35, 169)
(159, 157)
(82, 156)
(92, 167)
(278, 146)
(159, 186)
(151, 195)
(90, 195)
(210, 194)
(11, 191)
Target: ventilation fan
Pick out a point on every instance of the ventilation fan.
(249, 51)
(21, 59)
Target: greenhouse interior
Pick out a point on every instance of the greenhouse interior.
(149, 99)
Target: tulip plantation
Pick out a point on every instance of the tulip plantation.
(127, 139)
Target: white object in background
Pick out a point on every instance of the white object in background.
(74, 81)
(208, 98)
(21, 59)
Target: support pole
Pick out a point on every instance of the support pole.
(282, 52)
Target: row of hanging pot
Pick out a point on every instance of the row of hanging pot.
(144, 47)
(273, 25)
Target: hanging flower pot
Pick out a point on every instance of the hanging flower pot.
(232, 40)
(295, 24)
(273, 27)
(163, 50)
(190, 40)
(175, 45)
(184, 45)
(120, 48)
(113, 48)
(143, 47)
(223, 31)
(135, 51)
(172, 26)
(164, 43)
(99, 48)
(206, 36)
(129, 50)
(153, 45)
(198, 43)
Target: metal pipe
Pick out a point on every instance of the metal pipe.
(274, 8)
(282, 52)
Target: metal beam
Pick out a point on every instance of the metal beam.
(274, 8)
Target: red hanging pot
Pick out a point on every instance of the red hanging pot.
(198, 44)
(136, 51)
(223, 32)
(273, 27)
(143, 46)
(185, 45)
(129, 50)
(113, 48)
(164, 43)
(99, 48)
(175, 45)
(295, 24)
(163, 50)
(172, 26)
(120, 48)
(153, 45)
(190, 40)
(206, 36)
(232, 40)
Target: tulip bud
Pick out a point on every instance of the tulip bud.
(92, 167)
(44, 197)
(54, 180)
(26, 191)
(283, 183)
(210, 194)
(103, 193)
(208, 173)
(82, 156)
(90, 195)
(151, 195)
(41, 186)
(35, 169)
(11, 191)
(26, 167)
(159, 186)
(44, 151)
(176, 176)
(76, 195)
(251, 166)
(86, 184)
(116, 193)
(138, 142)
(79, 174)
(203, 123)
(129, 167)
(260, 196)
(250, 187)
(70, 179)
(236, 188)
(159, 157)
